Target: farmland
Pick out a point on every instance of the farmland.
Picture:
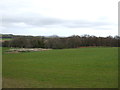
(62, 68)
(5, 39)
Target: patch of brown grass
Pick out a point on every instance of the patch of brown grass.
(13, 83)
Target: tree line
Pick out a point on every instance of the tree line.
(56, 42)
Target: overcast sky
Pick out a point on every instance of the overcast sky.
(59, 17)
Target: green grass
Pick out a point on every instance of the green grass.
(5, 39)
(0, 67)
(65, 68)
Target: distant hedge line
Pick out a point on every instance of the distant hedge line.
(61, 42)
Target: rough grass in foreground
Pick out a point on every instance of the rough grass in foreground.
(67, 68)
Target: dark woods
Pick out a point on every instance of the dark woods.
(56, 42)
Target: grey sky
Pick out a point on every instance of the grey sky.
(59, 17)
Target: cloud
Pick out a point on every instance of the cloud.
(85, 24)
(37, 20)
(64, 16)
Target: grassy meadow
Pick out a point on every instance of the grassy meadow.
(62, 68)
(5, 39)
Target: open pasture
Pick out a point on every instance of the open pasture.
(62, 68)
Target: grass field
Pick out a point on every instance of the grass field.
(67, 68)
(5, 39)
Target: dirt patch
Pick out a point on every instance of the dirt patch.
(26, 50)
